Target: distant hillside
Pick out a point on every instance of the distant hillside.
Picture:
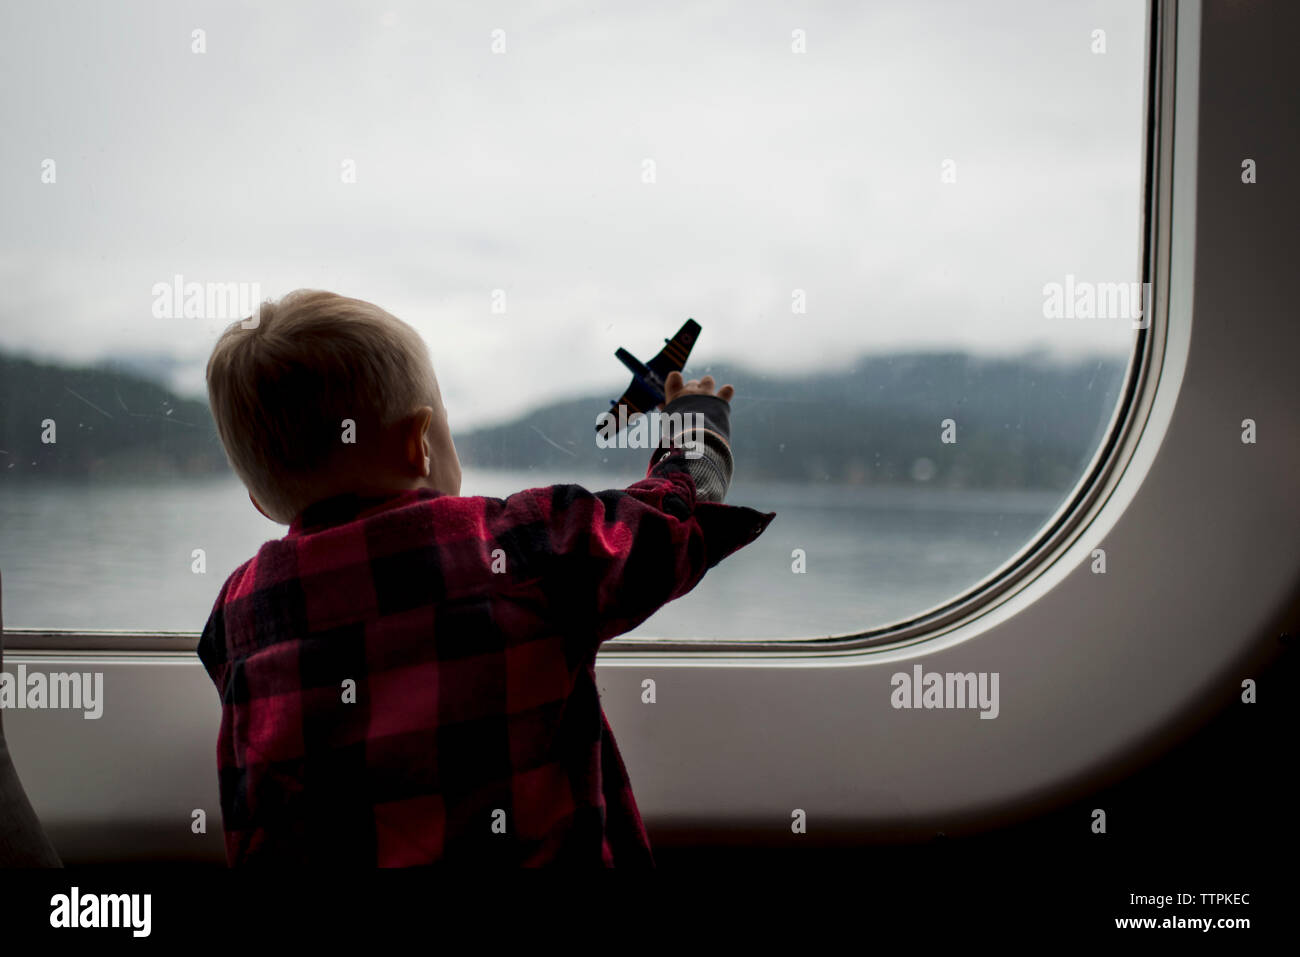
(1021, 422)
(106, 421)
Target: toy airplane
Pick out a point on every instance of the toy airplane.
(646, 391)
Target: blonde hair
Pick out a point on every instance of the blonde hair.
(281, 383)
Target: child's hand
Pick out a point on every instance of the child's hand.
(674, 387)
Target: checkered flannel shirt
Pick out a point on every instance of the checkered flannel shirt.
(411, 680)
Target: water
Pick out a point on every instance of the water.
(95, 555)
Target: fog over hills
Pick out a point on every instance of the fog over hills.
(1021, 422)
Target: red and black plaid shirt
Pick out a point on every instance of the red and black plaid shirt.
(411, 680)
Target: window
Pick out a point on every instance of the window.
(911, 233)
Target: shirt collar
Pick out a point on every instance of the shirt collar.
(350, 507)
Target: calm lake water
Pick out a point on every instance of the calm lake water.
(97, 555)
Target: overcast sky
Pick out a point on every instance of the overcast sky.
(522, 171)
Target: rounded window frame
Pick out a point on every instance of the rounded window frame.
(1109, 461)
(1065, 526)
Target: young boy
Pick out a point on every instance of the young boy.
(408, 676)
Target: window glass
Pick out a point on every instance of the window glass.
(910, 231)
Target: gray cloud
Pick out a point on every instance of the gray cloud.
(521, 171)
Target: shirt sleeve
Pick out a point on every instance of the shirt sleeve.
(212, 650)
(610, 559)
(700, 424)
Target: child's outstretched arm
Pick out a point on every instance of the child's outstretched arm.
(610, 559)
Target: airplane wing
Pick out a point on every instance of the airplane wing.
(672, 357)
(637, 398)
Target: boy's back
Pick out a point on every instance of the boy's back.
(408, 676)
(391, 699)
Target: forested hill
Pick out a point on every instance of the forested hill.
(1020, 422)
(105, 421)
